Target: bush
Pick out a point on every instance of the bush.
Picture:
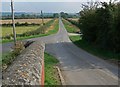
(26, 24)
(100, 26)
(18, 48)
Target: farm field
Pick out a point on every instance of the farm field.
(51, 28)
(36, 21)
(74, 19)
(19, 29)
(7, 30)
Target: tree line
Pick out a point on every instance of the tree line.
(100, 25)
(29, 16)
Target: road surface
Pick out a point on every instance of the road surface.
(78, 67)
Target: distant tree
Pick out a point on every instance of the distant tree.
(22, 15)
(55, 15)
(64, 15)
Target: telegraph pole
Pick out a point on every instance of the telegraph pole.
(13, 22)
(42, 17)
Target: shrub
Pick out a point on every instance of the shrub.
(100, 26)
(18, 48)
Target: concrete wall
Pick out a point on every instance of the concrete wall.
(27, 67)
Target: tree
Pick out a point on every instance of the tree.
(100, 25)
(64, 15)
(55, 15)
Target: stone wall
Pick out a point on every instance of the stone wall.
(27, 67)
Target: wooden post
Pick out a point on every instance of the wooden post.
(42, 17)
(13, 22)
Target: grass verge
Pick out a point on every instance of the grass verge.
(105, 54)
(8, 58)
(69, 27)
(51, 73)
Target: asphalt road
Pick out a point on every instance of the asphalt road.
(78, 67)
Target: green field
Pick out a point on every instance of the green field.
(19, 30)
(51, 30)
(51, 73)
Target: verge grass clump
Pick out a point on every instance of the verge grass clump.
(8, 58)
(51, 73)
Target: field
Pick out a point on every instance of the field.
(74, 19)
(36, 21)
(19, 29)
(51, 29)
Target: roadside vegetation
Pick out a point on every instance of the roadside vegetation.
(100, 28)
(70, 28)
(105, 54)
(51, 73)
(91, 48)
(100, 25)
(8, 58)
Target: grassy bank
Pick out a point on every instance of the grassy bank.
(70, 28)
(7, 59)
(53, 28)
(105, 54)
(51, 74)
(50, 30)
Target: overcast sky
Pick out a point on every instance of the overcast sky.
(48, 7)
(69, 6)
